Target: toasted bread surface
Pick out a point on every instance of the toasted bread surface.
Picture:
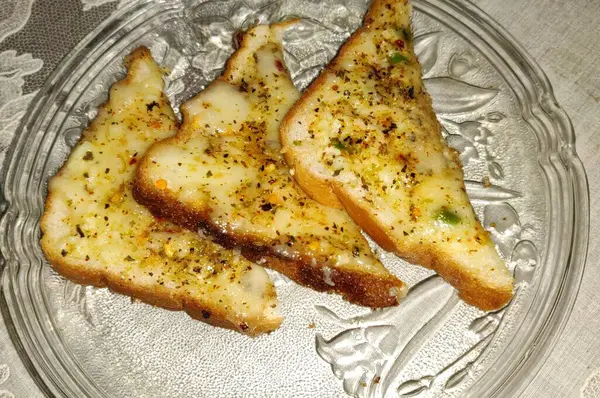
(224, 172)
(364, 136)
(95, 233)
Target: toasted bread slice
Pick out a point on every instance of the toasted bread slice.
(364, 137)
(224, 172)
(94, 232)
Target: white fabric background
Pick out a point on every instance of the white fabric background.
(564, 38)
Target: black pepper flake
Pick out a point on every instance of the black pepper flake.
(151, 106)
(209, 173)
(106, 171)
(205, 314)
(407, 34)
(64, 253)
(106, 205)
(391, 127)
(411, 93)
(267, 207)
(129, 258)
(86, 175)
(355, 251)
(88, 156)
(79, 231)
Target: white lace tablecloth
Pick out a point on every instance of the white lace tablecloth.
(563, 37)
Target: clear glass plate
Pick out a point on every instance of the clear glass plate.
(525, 181)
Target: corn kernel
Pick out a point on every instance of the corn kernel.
(141, 238)
(161, 184)
(274, 198)
(117, 197)
(168, 249)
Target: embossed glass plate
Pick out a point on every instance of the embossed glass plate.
(524, 179)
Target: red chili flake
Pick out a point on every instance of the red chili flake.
(133, 161)
(334, 87)
(399, 43)
(279, 66)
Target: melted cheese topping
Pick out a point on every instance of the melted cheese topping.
(373, 126)
(93, 221)
(236, 169)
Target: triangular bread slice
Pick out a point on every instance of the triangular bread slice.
(95, 233)
(224, 172)
(364, 137)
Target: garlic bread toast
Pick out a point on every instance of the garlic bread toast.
(94, 233)
(224, 172)
(364, 137)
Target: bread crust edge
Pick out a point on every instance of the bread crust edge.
(470, 289)
(160, 296)
(356, 287)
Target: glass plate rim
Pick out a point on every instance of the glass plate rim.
(540, 89)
